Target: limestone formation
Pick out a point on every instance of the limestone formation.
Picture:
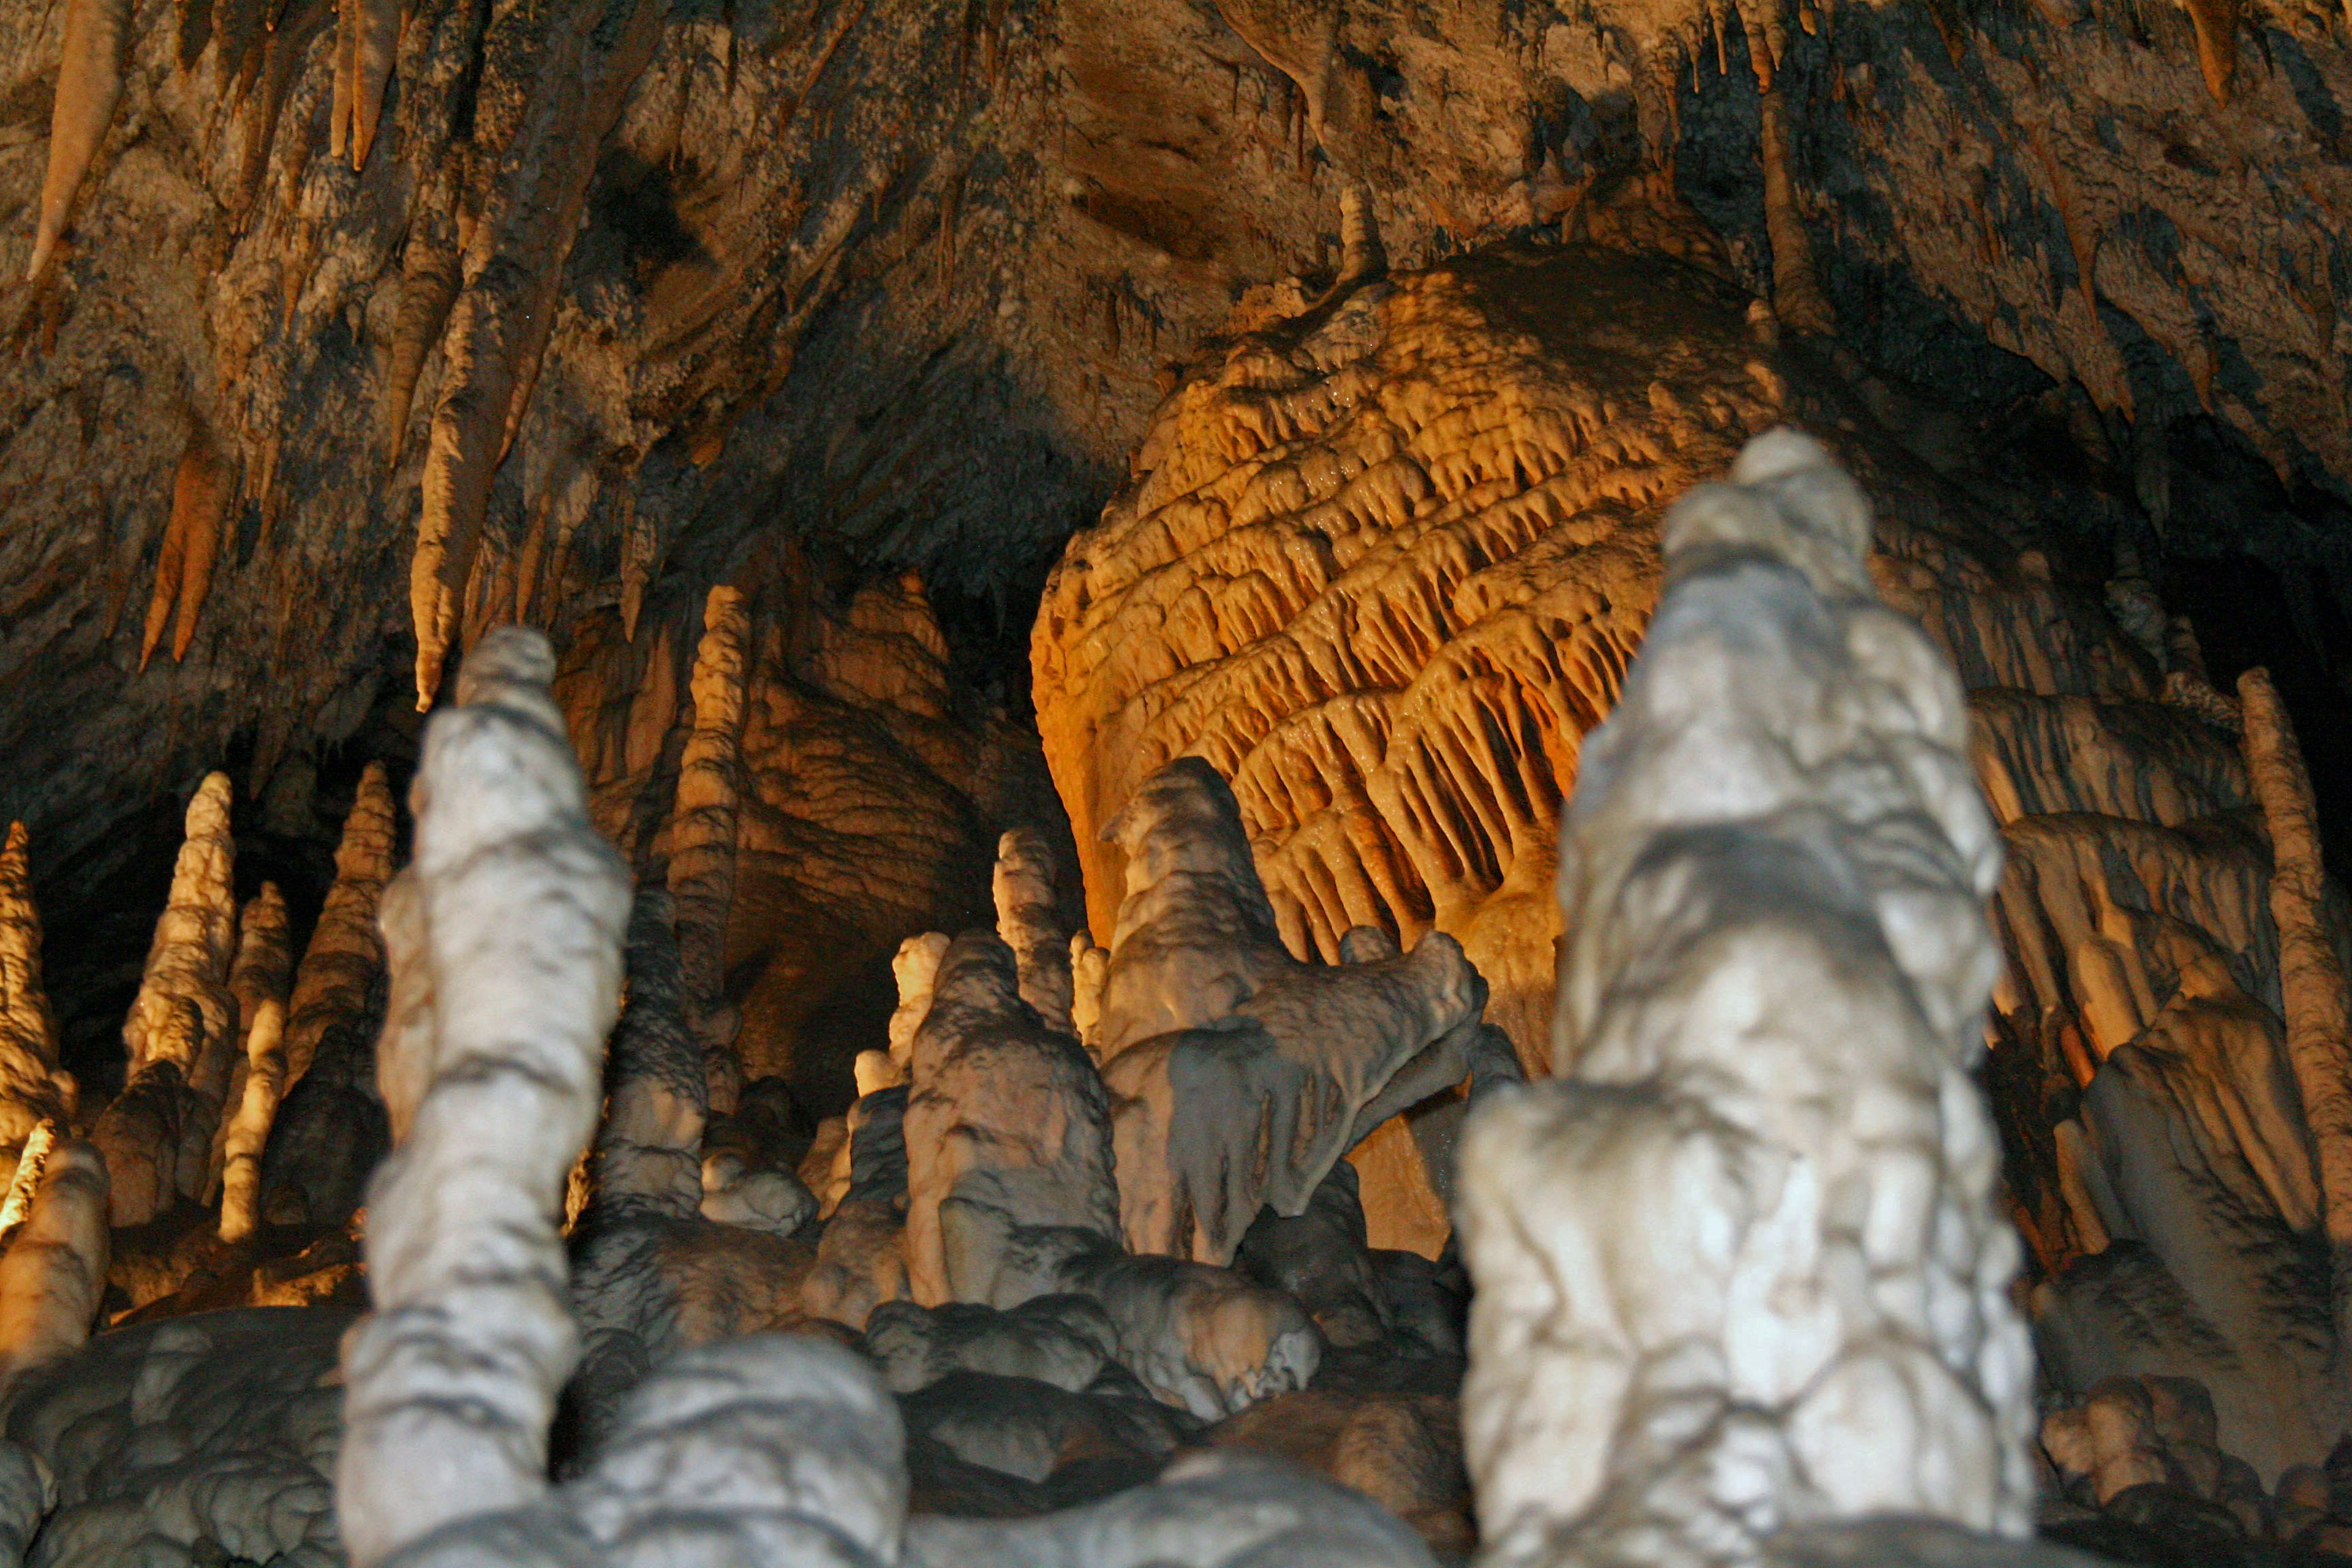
(2312, 986)
(1239, 1075)
(1203, 1339)
(1008, 1135)
(1764, 1178)
(157, 1135)
(703, 851)
(450, 1384)
(1063, 1339)
(217, 1434)
(1207, 1510)
(1024, 889)
(32, 1088)
(343, 965)
(1383, 567)
(916, 969)
(255, 1072)
(89, 83)
(54, 1270)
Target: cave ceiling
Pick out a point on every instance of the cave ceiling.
(369, 329)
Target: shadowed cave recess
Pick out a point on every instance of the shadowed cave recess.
(1198, 782)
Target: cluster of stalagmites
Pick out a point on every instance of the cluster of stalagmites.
(1083, 1277)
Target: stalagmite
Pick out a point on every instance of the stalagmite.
(1738, 1269)
(196, 941)
(649, 1147)
(89, 83)
(450, 1385)
(343, 964)
(1240, 1076)
(915, 968)
(249, 1096)
(55, 1267)
(157, 1135)
(703, 846)
(2311, 974)
(1024, 888)
(184, 573)
(1008, 1140)
(33, 1089)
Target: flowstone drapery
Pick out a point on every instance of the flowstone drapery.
(1738, 1269)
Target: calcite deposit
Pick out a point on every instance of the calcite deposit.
(1142, 826)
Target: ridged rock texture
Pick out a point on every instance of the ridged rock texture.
(157, 1135)
(1739, 1266)
(537, 314)
(798, 757)
(450, 1384)
(32, 1088)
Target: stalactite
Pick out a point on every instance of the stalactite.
(2216, 22)
(32, 1088)
(340, 967)
(498, 327)
(702, 850)
(1796, 296)
(89, 84)
(450, 1385)
(184, 573)
(2311, 976)
(429, 281)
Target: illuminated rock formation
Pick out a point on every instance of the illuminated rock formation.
(818, 790)
(1383, 567)
(157, 1135)
(703, 833)
(344, 961)
(450, 1384)
(1023, 889)
(32, 1088)
(257, 1079)
(1008, 1134)
(1773, 875)
(1239, 1075)
(54, 1270)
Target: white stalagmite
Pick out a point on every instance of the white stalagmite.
(517, 914)
(703, 851)
(339, 969)
(1739, 1268)
(1023, 886)
(32, 1088)
(2311, 976)
(54, 1269)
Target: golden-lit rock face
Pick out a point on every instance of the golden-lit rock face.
(817, 794)
(1384, 565)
